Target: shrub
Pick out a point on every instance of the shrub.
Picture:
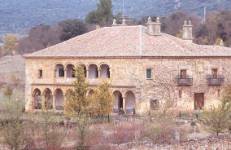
(126, 132)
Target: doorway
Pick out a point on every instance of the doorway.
(198, 101)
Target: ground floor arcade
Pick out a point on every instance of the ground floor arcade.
(53, 98)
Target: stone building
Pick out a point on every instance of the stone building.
(146, 68)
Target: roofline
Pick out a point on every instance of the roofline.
(122, 57)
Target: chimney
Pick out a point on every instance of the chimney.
(187, 30)
(124, 21)
(114, 22)
(97, 27)
(154, 28)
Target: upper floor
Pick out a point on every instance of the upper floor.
(132, 72)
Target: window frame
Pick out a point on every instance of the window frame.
(214, 73)
(40, 73)
(183, 73)
(61, 73)
(151, 74)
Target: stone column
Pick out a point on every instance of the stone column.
(64, 101)
(124, 105)
(53, 102)
(87, 73)
(65, 73)
(109, 72)
(99, 75)
(55, 73)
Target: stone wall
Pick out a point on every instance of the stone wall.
(130, 75)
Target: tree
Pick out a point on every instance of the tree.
(40, 37)
(10, 43)
(77, 102)
(82, 121)
(72, 28)
(102, 15)
(77, 105)
(217, 119)
(104, 99)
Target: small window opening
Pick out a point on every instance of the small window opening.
(215, 72)
(149, 73)
(183, 74)
(154, 104)
(180, 93)
(61, 72)
(40, 73)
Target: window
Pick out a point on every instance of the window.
(154, 104)
(183, 73)
(149, 73)
(40, 74)
(214, 72)
(180, 93)
(61, 72)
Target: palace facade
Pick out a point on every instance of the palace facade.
(146, 69)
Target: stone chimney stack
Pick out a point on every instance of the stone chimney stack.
(154, 28)
(114, 22)
(124, 21)
(187, 30)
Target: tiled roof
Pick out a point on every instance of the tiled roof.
(128, 41)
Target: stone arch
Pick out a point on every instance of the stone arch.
(37, 99)
(104, 71)
(59, 70)
(59, 99)
(48, 98)
(93, 71)
(130, 102)
(70, 71)
(118, 101)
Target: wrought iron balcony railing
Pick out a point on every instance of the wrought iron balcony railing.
(215, 80)
(184, 81)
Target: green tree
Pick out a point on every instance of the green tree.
(104, 99)
(83, 122)
(72, 28)
(77, 102)
(102, 15)
(77, 105)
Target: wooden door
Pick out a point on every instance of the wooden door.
(198, 101)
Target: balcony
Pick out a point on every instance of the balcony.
(215, 81)
(187, 81)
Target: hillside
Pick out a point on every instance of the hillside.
(18, 16)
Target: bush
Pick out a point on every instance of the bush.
(126, 132)
(12, 127)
